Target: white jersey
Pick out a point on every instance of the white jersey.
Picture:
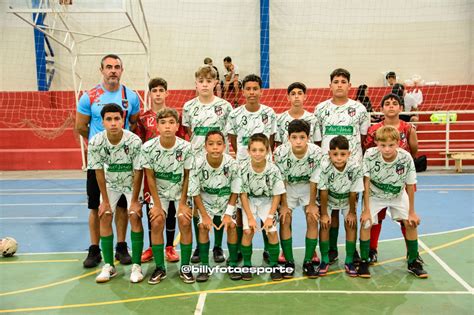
(215, 185)
(284, 119)
(388, 179)
(168, 165)
(244, 124)
(294, 170)
(349, 120)
(118, 161)
(267, 184)
(340, 183)
(202, 118)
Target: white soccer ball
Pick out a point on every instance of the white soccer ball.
(9, 246)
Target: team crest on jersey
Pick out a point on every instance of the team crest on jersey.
(264, 118)
(350, 175)
(124, 103)
(403, 136)
(218, 110)
(351, 112)
(179, 155)
(311, 162)
(400, 169)
(125, 148)
(226, 171)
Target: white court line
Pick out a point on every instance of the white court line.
(35, 218)
(344, 292)
(42, 193)
(200, 304)
(448, 269)
(43, 204)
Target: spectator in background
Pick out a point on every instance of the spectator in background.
(391, 78)
(218, 87)
(364, 99)
(408, 101)
(231, 80)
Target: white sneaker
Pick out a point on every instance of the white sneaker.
(106, 274)
(136, 275)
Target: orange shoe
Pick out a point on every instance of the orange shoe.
(147, 255)
(171, 255)
(315, 259)
(281, 258)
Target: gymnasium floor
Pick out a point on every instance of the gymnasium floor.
(48, 217)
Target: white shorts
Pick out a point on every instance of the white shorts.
(297, 195)
(114, 197)
(397, 207)
(260, 208)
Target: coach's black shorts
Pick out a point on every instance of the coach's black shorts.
(93, 193)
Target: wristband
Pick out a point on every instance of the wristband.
(270, 216)
(230, 210)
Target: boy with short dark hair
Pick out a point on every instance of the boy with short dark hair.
(389, 180)
(114, 154)
(299, 162)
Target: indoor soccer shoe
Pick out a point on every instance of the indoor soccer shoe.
(417, 270)
(187, 277)
(136, 275)
(351, 270)
(147, 255)
(290, 267)
(356, 258)
(218, 254)
(373, 256)
(309, 271)
(276, 275)
(93, 258)
(157, 275)
(316, 261)
(333, 256)
(235, 276)
(202, 277)
(171, 255)
(195, 259)
(121, 253)
(363, 270)
(107, 273)
(281, 258)
(247, 276)
(323, 268)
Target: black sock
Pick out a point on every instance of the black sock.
(170, 224)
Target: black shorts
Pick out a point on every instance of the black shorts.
(93, 193)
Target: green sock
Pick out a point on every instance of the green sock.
(350, 249)
(107, 244)
(310, 246)
(274, 251)
(240, 233)
(247, 254)
(287, 246)
(232, 254)
(324, 248)
(412, 246)
(364, 249)
(159, 255)
(333, 233)
(218, 234)
(137, 247)
(265, 240)
(196, 229)
(186, 250)
(204, 253)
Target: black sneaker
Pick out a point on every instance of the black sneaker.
(418, 259)
(195, 259)
(157, 275)
(276, 275)
(187, 277)
(373, 256)
(121, 253)
(309, 271)
(218, 254)
(363, 270)
(417, 270)
(290, 274)
(333, 256)
(356, 258)
(93, 258)
(266, 257)
(246, 276)
(235, 276)
(202, 277)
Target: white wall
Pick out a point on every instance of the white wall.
(308, 39)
